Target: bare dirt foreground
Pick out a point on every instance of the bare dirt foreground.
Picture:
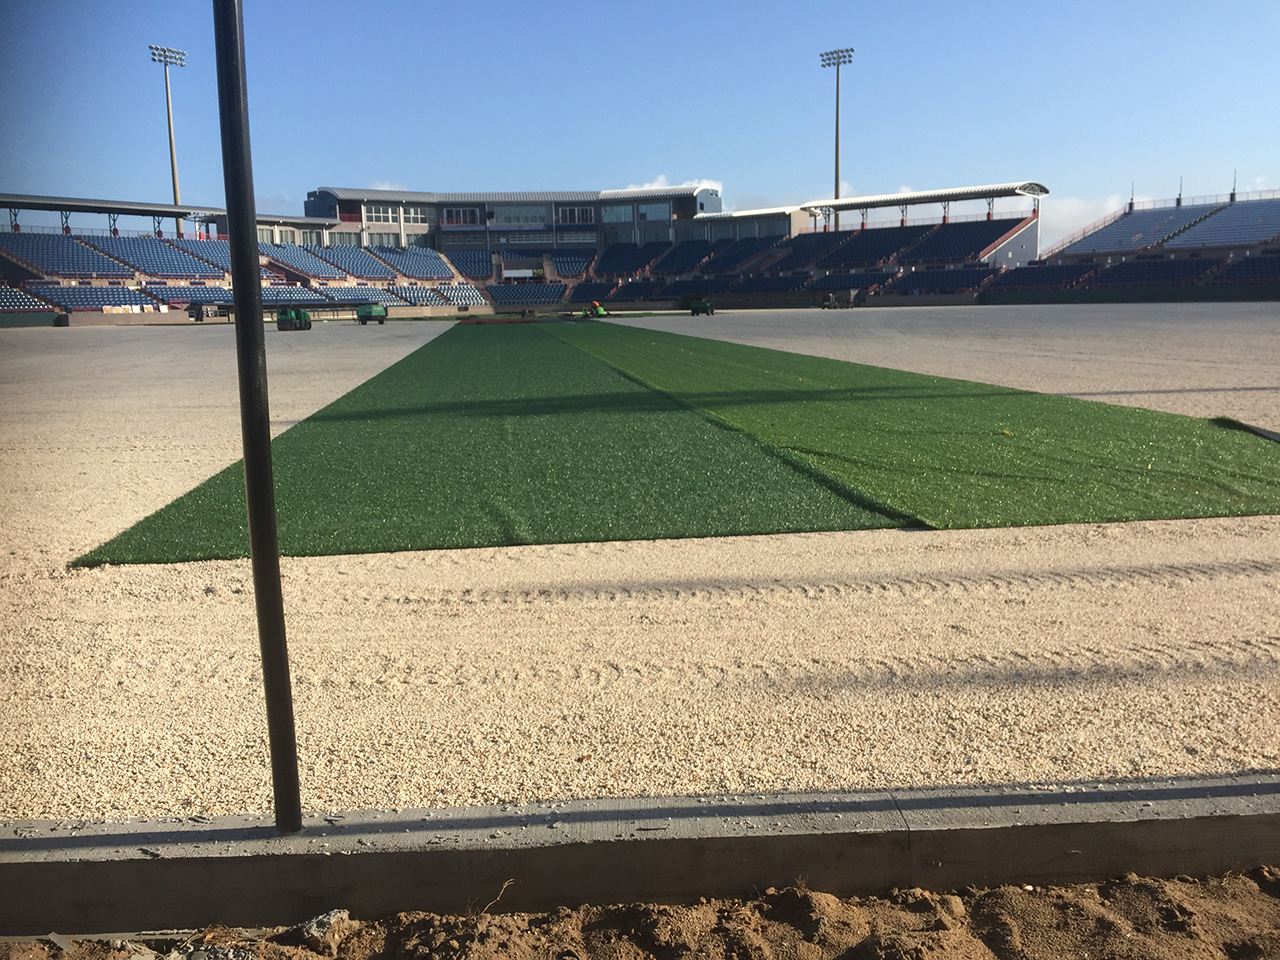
(812, 662)
(1129, 917)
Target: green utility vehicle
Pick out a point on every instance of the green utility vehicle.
(292, 318)
(370, 311)
(700, 305)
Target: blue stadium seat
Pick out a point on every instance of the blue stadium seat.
(418, 263)
(737, 254)
(362, 295)
(637, 290)
(297, 259)
(1138, 230)
(940, 281)
(958, 242)
(1159, 272)
(590, 290)
(186, 293)
(1044, 277)
(868, 280)
(57, 255)
(92, 298)
(353, 261)
(696, 287)
(477, 264)
(11, 299)
(1264, 269)
(463, 294)
(1240, 224)
(628, 259)
(154, 258)
(807, 248)
(511, 294)
(872, 247)
(770, 284)
(419, 296)
(572, 264)
(277, 295)
(682, 258)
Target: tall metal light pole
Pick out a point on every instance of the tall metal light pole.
(834, 58)
(178, 58)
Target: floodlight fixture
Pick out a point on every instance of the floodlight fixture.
(837, 58)
(170, 58)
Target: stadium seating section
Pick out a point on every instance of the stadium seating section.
(92, 298)
(869, 248)
(737, 254)
(11, 299)
(770, 284)
(353, 261)
(1154, 271)
(1044, 277)
(941, 281)
(1251, 270)
(290, 295)
(636, 290)
(852, 281)
(299, 260)
(417, 263)
(590, 290)
(1240, 224)
(360, 295)
(477, 264)
(419, 296)
(958, 242)
(153, 257)
(682, 258)
(572, 264)
(628, 259)
(696, 287)
(510, 294)
(808, 248)
(1138, 230)
(57, 255)
(216, 252)
(179, 293)
(463, 294)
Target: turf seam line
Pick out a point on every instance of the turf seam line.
(838, 487)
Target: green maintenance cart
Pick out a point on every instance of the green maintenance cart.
(292, 318)
(370, 311)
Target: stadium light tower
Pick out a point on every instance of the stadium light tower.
(835, 58)
(177, 58)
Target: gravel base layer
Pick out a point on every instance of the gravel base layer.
(803, 662)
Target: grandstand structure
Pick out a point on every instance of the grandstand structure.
(546, 252)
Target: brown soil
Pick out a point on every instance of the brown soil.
(1233, 916)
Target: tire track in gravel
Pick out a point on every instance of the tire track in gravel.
(1257, 657)
(721, 589)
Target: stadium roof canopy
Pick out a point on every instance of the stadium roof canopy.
(552, 196)
(124, 208)
(1022, 188)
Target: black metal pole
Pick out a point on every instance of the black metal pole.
(255, 423)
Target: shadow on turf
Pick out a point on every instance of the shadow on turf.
(651, 402)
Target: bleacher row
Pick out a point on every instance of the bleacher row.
(42, 296)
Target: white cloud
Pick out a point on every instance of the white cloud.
(386, 185)
(1062, 216)
(661, 181)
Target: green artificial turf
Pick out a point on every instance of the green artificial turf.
(496, 435)
(551, 433)
(955, 453)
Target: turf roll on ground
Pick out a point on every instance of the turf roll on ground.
(496, 435)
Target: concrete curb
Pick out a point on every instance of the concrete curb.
(81, 878)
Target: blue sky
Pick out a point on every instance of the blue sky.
(1084, 97)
